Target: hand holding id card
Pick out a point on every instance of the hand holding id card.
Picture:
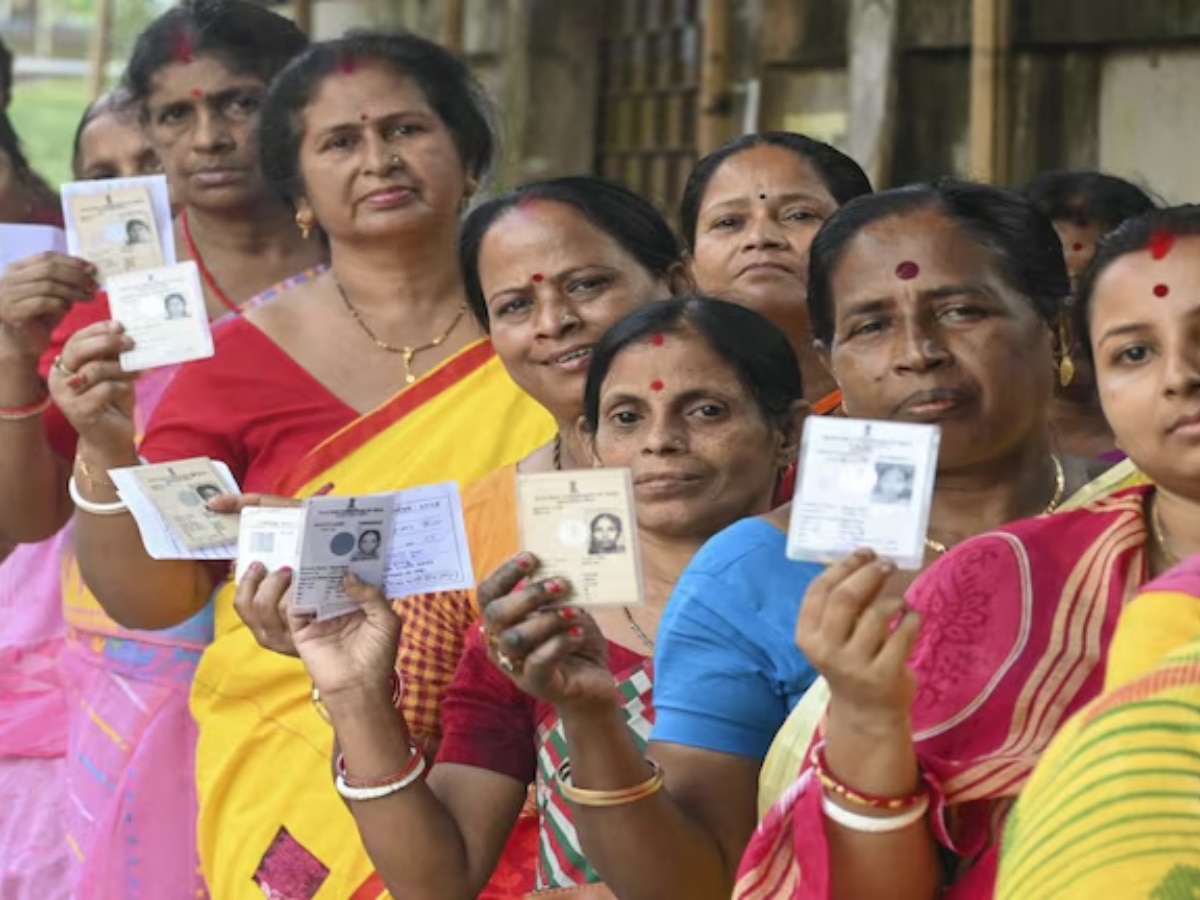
(120, 225)
(163, 311)
(582, 526)
(169, 502)
(866, 484)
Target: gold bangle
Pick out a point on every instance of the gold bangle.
(92, 479)
(587, 797)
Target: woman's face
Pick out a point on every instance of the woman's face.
(114, 146)
(201, 119)
(757, 220)
(927, 330)
(376, 160)
(1145, 334)
(605, 533)
(554, 283)
(701, 452)
(368, 543)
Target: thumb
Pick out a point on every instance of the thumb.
(235, 503)
(368, 597)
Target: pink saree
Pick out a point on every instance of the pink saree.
(1016, 627)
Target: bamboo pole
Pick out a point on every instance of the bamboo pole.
(302, 15)
(715, 96)
(991, 40)
(454, 25)
(101, 45)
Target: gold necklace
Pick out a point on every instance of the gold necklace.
(1169, 556)
(1060, 485)
(406, 353)
(641, 635)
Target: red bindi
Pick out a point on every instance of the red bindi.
(348, 65)
(657, 340)
(197, 93)
(907, 270)
(537, 277)
(1077, 247)
(1161, 290)
(656, 385)
(1161, 243)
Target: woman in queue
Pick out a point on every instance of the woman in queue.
(749, 213)
(548, 269)
(1014, 625)
(1083, 206)
(701, 399)
(378, 141)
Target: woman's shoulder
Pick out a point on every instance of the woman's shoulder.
(748, 544)
(1061, 535)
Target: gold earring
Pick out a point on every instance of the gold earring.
(1066, 365)
(304, 225)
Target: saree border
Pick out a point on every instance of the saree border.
(358, 433)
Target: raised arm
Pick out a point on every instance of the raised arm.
(35, 295)
(97, 397)
(677, 830)
(859, 638)
(432, 839)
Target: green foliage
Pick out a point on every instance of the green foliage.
(45, 114)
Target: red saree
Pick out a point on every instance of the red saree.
(1016, 626)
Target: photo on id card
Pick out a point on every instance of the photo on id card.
(180, 492)
(116, 229)
(342, 535)
(863, 484)
(582, 526)
(163, 311)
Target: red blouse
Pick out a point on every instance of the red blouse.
(250, 405)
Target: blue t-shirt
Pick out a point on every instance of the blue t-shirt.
(727, 671)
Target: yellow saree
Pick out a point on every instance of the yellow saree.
(270, 822)
(1113, 807)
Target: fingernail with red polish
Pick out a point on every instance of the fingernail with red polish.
(524, 563)
(257, 568)
(75, 382)
(568, 613)
(286, 570)
(554, 587)
(575, 631)
(323, 490)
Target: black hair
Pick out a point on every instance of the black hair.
(1087, 197)
(10, 146)
(841, 175)
(1022, 242)
(755, 349)
(626, 217)
(118, 102)
(448, 85)
(1133, 236)
(246, 37)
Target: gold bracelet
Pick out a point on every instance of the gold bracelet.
(92, 479)
(587, 797)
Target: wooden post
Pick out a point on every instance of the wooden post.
(991, 39)
(101, 43)
(453, 26)
(871, 39)
(302, 15)
(715, 100)
(515, 88)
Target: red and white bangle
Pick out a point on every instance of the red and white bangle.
(836, 788)
(28, 411)
(354, 789)
(874, 824)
